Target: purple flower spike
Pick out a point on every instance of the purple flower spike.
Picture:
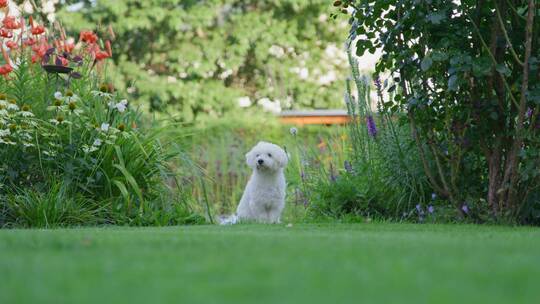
(378, 83)
(431, 209)
(465, 208)
(529, 112)
(420, 210)
(372, 128)
(348, 166)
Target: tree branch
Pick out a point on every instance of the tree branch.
(503, 28)
(493, 60)
(510, 174)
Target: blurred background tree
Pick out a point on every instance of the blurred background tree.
(192, 60)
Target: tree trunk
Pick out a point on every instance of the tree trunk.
(511, 176)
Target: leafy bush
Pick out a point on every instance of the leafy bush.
(74, 134)
(465, 74)
(192, 60)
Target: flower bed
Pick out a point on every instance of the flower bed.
(64, 129)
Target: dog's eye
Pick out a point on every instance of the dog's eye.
(269, 155)
(257, 155)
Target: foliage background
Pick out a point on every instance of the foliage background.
(195, 59)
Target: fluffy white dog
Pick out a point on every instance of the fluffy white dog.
(264, 197)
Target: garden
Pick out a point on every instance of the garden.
(124, 128)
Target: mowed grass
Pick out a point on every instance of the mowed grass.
(327, 263)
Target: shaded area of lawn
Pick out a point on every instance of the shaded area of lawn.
(388, 263)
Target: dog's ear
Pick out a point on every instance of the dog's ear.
(282, 158)
(250, 159)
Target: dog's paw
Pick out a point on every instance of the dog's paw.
(228, 219)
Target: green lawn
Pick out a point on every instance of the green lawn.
(338, 263)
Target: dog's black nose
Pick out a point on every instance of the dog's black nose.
(260, 161)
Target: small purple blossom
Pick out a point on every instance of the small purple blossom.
(465, 209)
(433, 196)
(372, 128)
(348, 166)
(420, 210)
(529, 112)
(431, 209)
(377, 82)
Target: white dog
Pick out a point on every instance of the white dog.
(264, 197)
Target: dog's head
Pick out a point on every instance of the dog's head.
(266, 157)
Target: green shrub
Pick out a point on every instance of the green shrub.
(78, 131)
(465, 73)
(193, 60)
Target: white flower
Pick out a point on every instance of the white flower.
(8, 142)
(276, 51)
(244, 102)
(121, 106)
(303, 73)
(101, 94)
(111, 104)
(293, 131)
(97, 143)
(58, 95)
(12, 106)
(72, 98)
(269, 105)
(26, 114)
(104, 127)
(4, 132)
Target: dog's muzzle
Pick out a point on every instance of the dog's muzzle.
(260, 164)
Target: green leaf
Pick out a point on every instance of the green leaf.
(426, 63)
(503, 69)
(453, 82)
(122, 188)
(132, 182)
(436, 18)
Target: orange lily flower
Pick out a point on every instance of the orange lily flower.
(11, 23)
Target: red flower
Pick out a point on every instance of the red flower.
(88, 37)
(35, 58)
(5, 33)
(100, 55)
(37, 30)
(30, 41)
(11, 23)
(39, 51)
(69, 46)
(3, 3)
(12, 45)
(6, 69)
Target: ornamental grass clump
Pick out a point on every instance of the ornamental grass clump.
(61, 122)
